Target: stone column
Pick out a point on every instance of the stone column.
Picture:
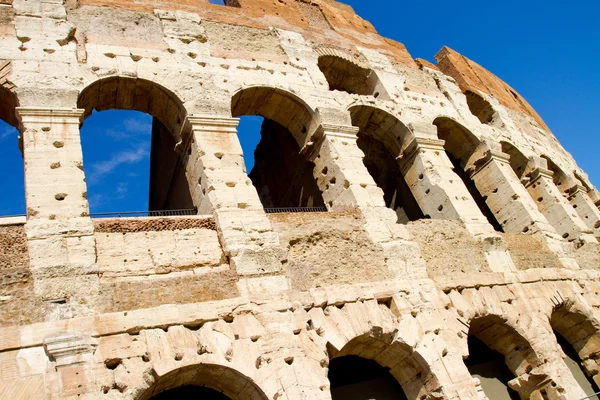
(506, 197)
(219, 185)
(346, 184)
(585, 207)
(441, 194)
(513, 206)
(339, 170)
(556, 208)
(60, 233)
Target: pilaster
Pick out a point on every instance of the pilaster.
(219, 185)
(60, 233)
(556, 208)
(585, 208)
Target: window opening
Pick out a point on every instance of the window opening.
(346, 76)
(116, 151)
(574, 363)
(385, 171)
(12, 183)
(480, 107)
(479, 199)
(489, 366)
(282, 177)
(356, 378)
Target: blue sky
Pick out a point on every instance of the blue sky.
(549, 51)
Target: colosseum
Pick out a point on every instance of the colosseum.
(408, 230)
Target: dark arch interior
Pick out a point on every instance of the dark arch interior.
(190, 392)
(356, 378)
(387, 175)
(574, 363)
(479, 199)
(489, 366)
(480, 107)
(281, 175)
(347, 76)
(460, 145)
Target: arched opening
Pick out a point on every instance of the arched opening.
(129, 142)
(580, 342)
(282, 176)
(382, 138)
(518, 161)
(480, 107)
(346, 76)
(561, 180)
(497, 354)
(13, 183)
(190, 393)
(356, 378)
(204, 381)
(463, 148)
(372, 367)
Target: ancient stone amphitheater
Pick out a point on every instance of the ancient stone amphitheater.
(409, 230)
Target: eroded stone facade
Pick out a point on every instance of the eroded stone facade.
(452, 211)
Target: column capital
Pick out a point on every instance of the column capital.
(48, 115)
(70, 348)
(417, 145)
(539, 173)
(200, 122)
(577, 188)
(341, 131)
(490, 156)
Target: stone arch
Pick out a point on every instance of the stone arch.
(562, 181)
(169, 188)
(480, 107)
(504, 338)
(465, 150)
(347, 74)
(460, 142)
(578, 326)
(282, 175)
(383, 138)
(403, 362)
(278, 105)
(518, 161)
(223, 379)
(125, 93)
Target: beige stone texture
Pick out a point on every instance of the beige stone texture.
(482, 227)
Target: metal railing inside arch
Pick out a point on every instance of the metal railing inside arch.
(142, 214)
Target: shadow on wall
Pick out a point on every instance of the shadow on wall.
(356, 378)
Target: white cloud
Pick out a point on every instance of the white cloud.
(103, 168)
(138, 125)
(5, 133)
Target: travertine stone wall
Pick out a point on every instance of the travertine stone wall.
(504, 247)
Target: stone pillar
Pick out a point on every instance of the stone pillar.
(339, 170)
(513, 206)
(441, 194)
(60, 233)
(73, 357)
(506, 197)
(585, 207)
(219, 185)
(556, 208)
(346, 184)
